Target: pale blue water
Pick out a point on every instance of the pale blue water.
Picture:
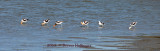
(116, 14)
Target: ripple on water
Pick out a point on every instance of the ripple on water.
(59, 40)
(78, 37)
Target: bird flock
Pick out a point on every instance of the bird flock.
(84, 23)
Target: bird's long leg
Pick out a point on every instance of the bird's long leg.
(21, 22)
(42, 24)
(54, 25)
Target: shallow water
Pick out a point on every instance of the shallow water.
(115, 35)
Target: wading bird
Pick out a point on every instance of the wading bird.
(45, 22)
(100, 23)
(58, 23)
(85, 23)
(133, 24)
(24, 21)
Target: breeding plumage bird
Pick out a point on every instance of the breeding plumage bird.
(133, 24)
(45, 22)
(85, 23)
(100, 23)
(58, 23)
(24, 21)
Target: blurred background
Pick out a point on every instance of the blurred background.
(115, 35)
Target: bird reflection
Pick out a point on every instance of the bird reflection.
(132, 29)
(23, 24)
(59, 29)
(84, 27)
(45, 26)
(100, 27)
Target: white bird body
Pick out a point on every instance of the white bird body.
(58, 23)
(45, 22)
(85, 23)
(24, 21)
(100, 23)
(133, 24)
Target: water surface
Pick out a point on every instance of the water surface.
(116, 14)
